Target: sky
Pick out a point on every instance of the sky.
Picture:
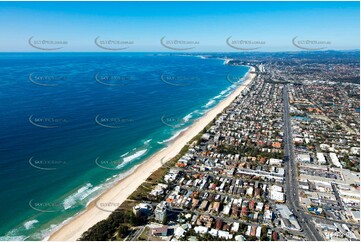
(204, 26)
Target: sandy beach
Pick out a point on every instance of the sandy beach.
(125, 187)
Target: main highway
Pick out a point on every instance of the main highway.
(291, 182)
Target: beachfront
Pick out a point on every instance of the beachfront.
(124, 188)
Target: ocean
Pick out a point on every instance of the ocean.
(72, 124)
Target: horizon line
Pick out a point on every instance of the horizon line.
(175, 52)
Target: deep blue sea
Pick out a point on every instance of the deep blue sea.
(72, 124)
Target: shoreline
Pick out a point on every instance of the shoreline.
(120, 191)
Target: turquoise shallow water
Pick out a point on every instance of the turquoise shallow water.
(73, 124)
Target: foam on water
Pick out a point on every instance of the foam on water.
(14, 235)
(147, 141)
(187, 117)
(218, 96)
(124, 154)
(79, 195)
(134, 156)
(222, 94)
(13, 238)
(30, 224)
(173, 137)
(209, 103)
(114, 179)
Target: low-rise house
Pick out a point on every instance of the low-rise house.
(160, 231)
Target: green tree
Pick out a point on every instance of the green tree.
(123, 231)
